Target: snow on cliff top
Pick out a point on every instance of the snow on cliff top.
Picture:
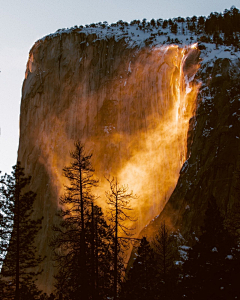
(137, 36)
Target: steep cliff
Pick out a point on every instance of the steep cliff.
(130, 105)
(213, 165)
(130, 99)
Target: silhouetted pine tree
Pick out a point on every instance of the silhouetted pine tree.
(100, 239)
(17, 273)
(119, 213)
(141, 278)
(166, 252)
(6, 221)
(69, 243)
(83, 242)
(99, 267)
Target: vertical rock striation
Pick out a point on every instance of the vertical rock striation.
(130, 105)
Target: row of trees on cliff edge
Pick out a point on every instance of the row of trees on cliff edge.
(88, 250)
(219, 28)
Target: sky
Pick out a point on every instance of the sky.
(23, 22)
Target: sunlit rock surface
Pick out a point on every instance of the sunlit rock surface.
(130, 104)
(214, 163)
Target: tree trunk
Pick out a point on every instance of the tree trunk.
(82, 244)
(92, 255)
(96, 254)
(115, 247)
(17, 296)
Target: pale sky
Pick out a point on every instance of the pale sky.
(23, 22)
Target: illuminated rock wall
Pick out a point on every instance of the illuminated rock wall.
(212, 170)
(131, 106)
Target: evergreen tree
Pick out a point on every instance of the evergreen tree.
(232, 224)
(141, 277)
(153, 23)
(6, 220)
(119, 208)
(165, 249)
(83, 242)
(17, 272)
(174, 28)
(70, 242)
(99, 269)
(101, 247)
(163, 246)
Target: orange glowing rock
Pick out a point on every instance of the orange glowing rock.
(131, 107)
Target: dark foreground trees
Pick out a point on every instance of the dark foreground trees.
(83, 242)
(88, 251)
(119, 213)
(213, 262)
(166, 253)
(212, 270)
(165, 247)
(141, 279)
(17, 275)
(154, 272)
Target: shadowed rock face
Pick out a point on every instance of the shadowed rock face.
(129, 105)
(214, 148)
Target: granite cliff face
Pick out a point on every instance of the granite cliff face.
(130, 105)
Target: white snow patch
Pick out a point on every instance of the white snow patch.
(134, 36)
(206, 132)
(184, 247)
(184, 167)
(178, 263)
(183, 252)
